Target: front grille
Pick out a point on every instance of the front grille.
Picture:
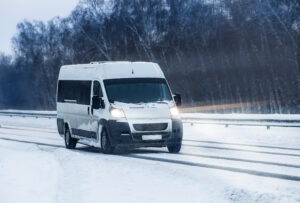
(150, 126)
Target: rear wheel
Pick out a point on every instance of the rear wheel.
(105, 143)
(174, 148)
(69, 141)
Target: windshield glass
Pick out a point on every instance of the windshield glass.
(137, 90)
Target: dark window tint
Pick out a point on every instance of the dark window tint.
(74, 91)
(97, 91)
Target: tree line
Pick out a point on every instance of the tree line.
(212, 51)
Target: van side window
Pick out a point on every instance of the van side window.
(84, 92)
(97, 91)
(74, 91)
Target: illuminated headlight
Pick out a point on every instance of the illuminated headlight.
(174, 111)
(117, 113)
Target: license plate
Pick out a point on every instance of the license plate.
(151, 137)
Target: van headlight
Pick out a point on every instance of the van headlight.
(117, 113)
(174, 111)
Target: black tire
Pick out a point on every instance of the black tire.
(105, 143)
(174, 148)
(70, 142)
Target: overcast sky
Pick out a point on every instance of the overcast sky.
(14, 11)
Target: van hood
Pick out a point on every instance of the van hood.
(156, 110)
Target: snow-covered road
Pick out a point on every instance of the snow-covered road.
(216, 164)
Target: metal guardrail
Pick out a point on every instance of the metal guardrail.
(268, 123)
(23, 114)
(245, 120)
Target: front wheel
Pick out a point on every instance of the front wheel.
(174, 148)
(69, 141)
(105, 143)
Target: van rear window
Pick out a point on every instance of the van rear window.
(74, 91)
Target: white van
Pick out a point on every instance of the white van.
(112, 104)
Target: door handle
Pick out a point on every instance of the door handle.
(88, 109)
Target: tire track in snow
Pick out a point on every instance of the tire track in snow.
(31, 142)
(31, 136)
(224, 168)
(179, 162)
(47, 130)
(241, 160)
(241, 150)
(229, 159)
(200, 146)
(190, 140)
(219, 157)
(238, 144)
(190, 154)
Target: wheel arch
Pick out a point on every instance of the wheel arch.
(68, 126)
(105, 125)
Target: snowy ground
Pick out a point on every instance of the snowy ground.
(216, 164)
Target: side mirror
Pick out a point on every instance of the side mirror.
(177, 99)
(98, 103)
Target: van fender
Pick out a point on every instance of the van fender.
(105, 124)
(60, 126)
(67, 124)
(99, 131)
(177, 131)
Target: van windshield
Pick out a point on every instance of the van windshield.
(137, 90)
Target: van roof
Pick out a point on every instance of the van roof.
(111, 70)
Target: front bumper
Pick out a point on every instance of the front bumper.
(121, 135)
